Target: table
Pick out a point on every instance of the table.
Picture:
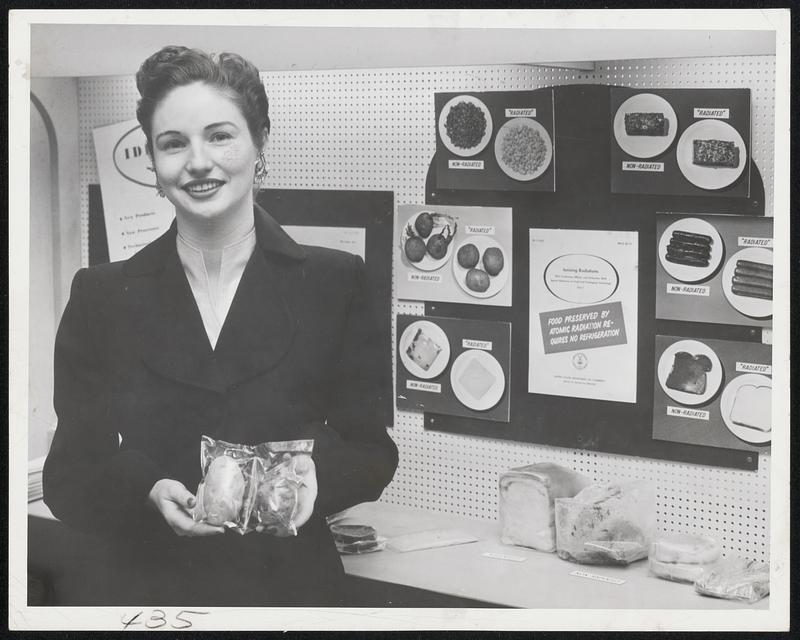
(462, 575)
(541, 580)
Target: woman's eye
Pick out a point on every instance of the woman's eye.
(220, 136)
(171, 145)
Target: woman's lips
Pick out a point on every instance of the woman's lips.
(202, 188)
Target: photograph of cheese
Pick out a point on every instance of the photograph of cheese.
(477, 379)
(423, 350)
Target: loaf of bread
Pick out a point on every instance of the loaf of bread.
(527, 496)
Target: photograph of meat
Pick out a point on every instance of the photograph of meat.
(752, 280)
(691, 249)
(646, 124)
(715, 153)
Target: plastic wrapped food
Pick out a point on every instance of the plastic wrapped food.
(527, 502)
(687, 548)
(611, 524)
(735, 579)
(248, 488)
(677, 571)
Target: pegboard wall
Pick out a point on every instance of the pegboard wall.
(374, 130)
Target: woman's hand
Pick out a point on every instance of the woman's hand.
(307, 492)
(175, 502)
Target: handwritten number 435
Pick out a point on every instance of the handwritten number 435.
(159, 618)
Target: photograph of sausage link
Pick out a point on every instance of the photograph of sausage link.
(759, 266)
(688, 249)
(751, 281)
(694, 246)
(753, 273)
(749, 291)
(688, 236)
(687, 260)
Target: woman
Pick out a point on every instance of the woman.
(223, 326)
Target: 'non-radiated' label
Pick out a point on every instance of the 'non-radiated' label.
(432, 278)
(418, 385)
(706, 112)
(465, 164)
(683, 412)
(596, 576)
(631, 165)
(688, 289)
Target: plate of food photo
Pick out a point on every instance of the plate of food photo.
(747, 281)
(480, 266)
(465, 126)
(477, 379)
(645, 125)
(523, 149)
(746, 406)
(711, 154)
(427, 240)
(690, 250)
(424, 349)
(690, 372)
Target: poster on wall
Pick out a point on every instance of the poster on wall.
(454, 367)
(693, 142)
(716, 393)
(454, 254)
(134, 214)
(714, 268)
(350, 239)
(583, 314)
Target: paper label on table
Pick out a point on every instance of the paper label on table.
(430, 278)
(750, 241)
(465, 164)
(480, 229)
(705, 112)
(484, 345)
(503, 556)
(683, 412)
(418, 385)
(688, 289)
(629, 165)
(520, 113)
(752, 367)
(596, 576)
(430, 539)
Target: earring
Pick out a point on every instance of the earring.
(262, 169)
(160, 191)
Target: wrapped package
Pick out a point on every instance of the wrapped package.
(246, 488)
(611, 524)
(683, 557)
(527, 502)
(735, 579)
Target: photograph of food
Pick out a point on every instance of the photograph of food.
(222, 491)
(690, 250)
(646, 124)
(523, 149)
(480, 266)
(465, 125)
(711, 154)
(688, 373)
(746, 407)
(715, 153)
(747, 281)
(423, 350)
(477, 380)
(427, 239)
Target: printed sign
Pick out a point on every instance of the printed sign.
(705, 112)
(642, 166)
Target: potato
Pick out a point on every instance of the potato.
(468, 256)
(415, 249)
(478, 280)
(493, 261)
(223, 491)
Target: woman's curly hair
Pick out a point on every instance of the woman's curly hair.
(176, 66)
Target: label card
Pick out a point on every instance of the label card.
(596, 576)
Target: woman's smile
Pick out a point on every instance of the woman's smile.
(203, 188)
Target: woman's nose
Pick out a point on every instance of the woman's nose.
(199, 161)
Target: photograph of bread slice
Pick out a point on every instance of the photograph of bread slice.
(752, 407)
(688, 373)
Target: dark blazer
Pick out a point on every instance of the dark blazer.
(299, 356)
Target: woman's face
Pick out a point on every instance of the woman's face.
(203, 153)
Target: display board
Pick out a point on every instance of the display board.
(384, 139)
